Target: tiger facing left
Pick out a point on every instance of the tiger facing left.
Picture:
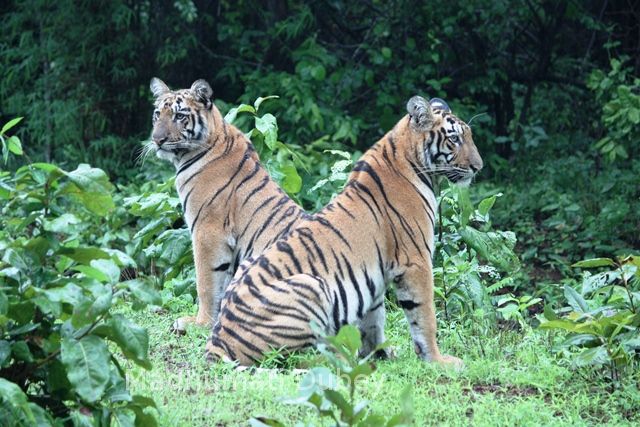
(231, 205)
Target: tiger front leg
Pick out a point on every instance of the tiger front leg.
(212, 258)
(372, 330)
(415, 296)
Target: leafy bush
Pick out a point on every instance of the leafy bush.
(59, 292)
(602, 317)
(472, 261)
(320, 388)
(619, 93)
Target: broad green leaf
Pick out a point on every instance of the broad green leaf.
(144, 291)
(230, 117)
(495, 247)
(596, 356)
(109, 268)
(595, 262)
(575, 300)
(567, 325)
(88, 311)
(486, 204)
(132, 340)
(5, 352)
(268, 126)
(549, 314)
(65, 223)
(84, 255)
(87, 363)
(341, 403)
(466, 207)
(11, 123)
(28, 413)
(261, 99)
(4, 304)
(291, 182)
(14, 145)
(349, 337)
(122, 417)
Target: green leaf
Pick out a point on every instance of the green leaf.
(596, 356)
(5, 352)
(84, 255)
(88, 311)
(109, 268)
(87, 363)
(291, 181)
(268, 126)
(230, 117)
(549, 314)
(575, 300)
(11, 123)
(65, 223)
(495, 247)
(144, 291)
(349, 337)
(338, 399)
(261, 99)
(28, 413)
(486, 204)
(595, 262)
(14, 145)
(4, 304)
(132, 340)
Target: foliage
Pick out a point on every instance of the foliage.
(58, 294)
(619, 94)
(602, 317)
(320, 388)
(470, 258)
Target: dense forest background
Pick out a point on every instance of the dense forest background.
(550, 88)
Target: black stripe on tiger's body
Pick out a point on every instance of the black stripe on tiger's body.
(231, 206)
(379, 229)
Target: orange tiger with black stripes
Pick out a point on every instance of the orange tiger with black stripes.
(232, 207)
(332, 267)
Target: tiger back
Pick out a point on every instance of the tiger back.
(332, 268)
(231, 205)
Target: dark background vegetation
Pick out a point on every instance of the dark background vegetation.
(537, 74)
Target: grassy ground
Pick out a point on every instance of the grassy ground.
(510, 379)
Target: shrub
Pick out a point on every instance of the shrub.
(59, 292)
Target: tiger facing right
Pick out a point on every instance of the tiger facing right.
(331, 268)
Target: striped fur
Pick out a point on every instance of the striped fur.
(332, 267)
(232, 207)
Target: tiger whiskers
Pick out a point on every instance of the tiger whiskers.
(148, 148)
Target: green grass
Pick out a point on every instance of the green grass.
(510, 378)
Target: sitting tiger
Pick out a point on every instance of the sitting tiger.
(332, 267)
(232, 207)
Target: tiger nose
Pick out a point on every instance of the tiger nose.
(476, 165)
(158, 139)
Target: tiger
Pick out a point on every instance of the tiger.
(332, 268)
(231, 205)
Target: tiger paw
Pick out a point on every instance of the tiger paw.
(450, 361)
(179, 327)
(387, 353)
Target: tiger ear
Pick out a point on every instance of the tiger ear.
(202, 91)
(439, 104)
(420, 113)
(158, 87)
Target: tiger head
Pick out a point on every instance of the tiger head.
(447, 145)
(180, 119)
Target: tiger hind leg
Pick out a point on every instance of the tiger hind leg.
(280, 319)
